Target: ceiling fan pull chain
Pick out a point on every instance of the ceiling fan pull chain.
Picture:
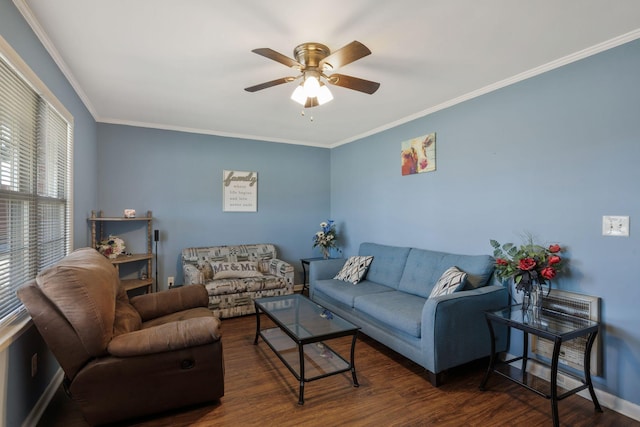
(303, 114)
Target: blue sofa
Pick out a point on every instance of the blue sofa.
(392, 305)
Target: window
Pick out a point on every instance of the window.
(35, 179)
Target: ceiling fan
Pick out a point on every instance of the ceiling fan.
(314, 61)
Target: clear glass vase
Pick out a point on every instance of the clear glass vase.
(533, 296)
(325, 252)
(532, 303)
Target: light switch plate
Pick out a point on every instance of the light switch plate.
(615, 226)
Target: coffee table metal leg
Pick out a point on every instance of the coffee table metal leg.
(301, 394)
(353, 365)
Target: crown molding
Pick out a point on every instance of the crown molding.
(173, 128)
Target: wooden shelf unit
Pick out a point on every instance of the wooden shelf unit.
(98, 226)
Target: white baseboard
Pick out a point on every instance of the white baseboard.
(42, 403)
(607, 400)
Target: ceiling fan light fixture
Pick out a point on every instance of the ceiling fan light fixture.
(311, 85)
(311, 102)
(299, 96)
(324, 95)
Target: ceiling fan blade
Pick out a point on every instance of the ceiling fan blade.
(266, 85)
(346, 55)
(277, 56)
(354, 83)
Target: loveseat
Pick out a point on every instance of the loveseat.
(235, 275)
(125, 358)
(392, 303)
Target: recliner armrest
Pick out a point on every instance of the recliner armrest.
(151, 306)
(166, 337)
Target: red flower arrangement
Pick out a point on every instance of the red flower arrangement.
(527, 264)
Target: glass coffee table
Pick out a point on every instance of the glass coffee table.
(299, 338)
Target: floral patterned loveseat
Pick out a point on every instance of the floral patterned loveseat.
(235, 275)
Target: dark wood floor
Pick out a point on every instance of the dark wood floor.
(393, 391)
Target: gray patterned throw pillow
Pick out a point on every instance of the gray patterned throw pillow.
(354, 269)
(451, 280)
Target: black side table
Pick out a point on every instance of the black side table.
(556, 327)
(305, 263)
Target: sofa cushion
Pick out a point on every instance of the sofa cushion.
(400, 310)
(424, 268)
(354, 269)
(235, 270)
(205, 267)
(387, 265)
(452, 280)
(344, 293)
(479, 269)
(249, 284)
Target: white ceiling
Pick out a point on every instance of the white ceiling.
(184, 64)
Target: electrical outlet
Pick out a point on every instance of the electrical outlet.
(170, 281)
(34, 365)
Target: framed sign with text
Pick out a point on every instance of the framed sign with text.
(239, 191)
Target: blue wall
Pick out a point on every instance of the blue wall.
(179, 177)
(550, 156)
(22, 391)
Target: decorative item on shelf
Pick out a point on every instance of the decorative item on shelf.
(326, 238)
(530, 265)
(112, 247)
(129, 213)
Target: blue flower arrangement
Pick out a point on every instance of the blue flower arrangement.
(326, 238)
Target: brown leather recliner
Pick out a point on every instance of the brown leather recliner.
(121, 358)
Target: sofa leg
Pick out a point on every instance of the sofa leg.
(435, 379)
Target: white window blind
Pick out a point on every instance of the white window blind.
(35, 177)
